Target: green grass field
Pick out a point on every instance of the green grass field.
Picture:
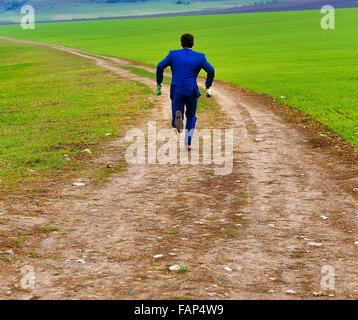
(281, 54)
(54, 107)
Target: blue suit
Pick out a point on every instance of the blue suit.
(186, 65)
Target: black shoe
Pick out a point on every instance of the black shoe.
(179, 121)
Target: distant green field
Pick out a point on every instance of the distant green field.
(281, 53)
(47, 10)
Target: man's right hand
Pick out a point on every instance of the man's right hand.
(208, 93)
(159, 89)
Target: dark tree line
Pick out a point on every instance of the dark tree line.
(118, 1)
(260, 2)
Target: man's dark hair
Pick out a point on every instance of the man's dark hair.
(187, 40)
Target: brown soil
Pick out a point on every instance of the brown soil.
(257, 221)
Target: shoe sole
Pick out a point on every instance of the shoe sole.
(179, 121)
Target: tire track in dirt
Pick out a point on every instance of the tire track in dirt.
(288, 192)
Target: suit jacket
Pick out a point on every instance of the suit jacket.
(186, 65)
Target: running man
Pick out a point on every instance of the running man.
(184, 92)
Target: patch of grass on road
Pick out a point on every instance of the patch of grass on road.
(18, 240)
(53, 105)
(49, 229)
(183, 269)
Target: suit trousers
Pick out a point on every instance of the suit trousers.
(188, 105)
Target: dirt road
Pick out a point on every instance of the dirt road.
(267, 228)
